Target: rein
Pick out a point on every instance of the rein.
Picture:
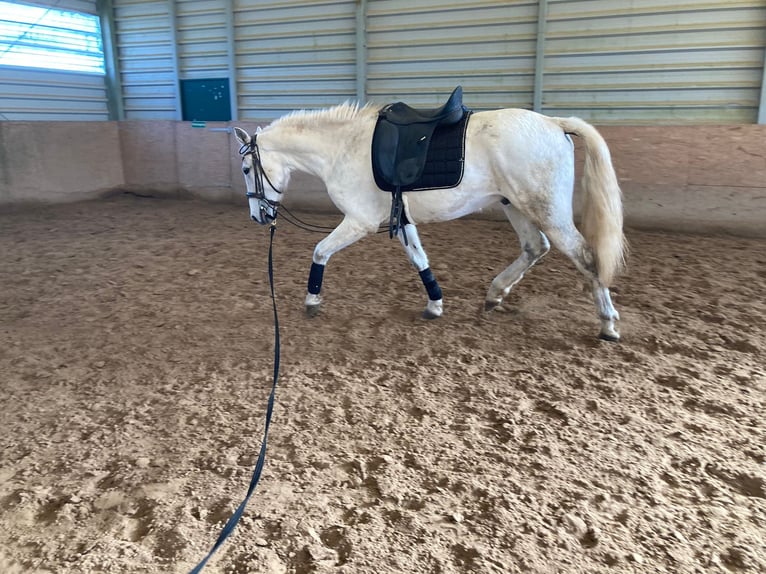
(260, 194)
(293, 219)
(296, 221)
(234, 519)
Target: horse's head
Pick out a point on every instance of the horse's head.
(263, 183)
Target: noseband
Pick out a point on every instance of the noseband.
(260, 175)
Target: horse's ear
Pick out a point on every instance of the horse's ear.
(242, 136)
(258, 129)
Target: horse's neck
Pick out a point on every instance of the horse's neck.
(312, 150)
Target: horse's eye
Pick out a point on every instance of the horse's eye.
(245, 170)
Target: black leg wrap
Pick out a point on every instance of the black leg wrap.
(434, 291)
(315, 278)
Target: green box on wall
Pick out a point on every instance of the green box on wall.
(206, 100)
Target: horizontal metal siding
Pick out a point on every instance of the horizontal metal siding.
(294, 55)
(32, 94)
(644, 61)
(649, 61)
(146, 60)
(84, 6)
(202, 41)
(419, 51)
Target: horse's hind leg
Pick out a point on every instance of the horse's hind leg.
(419, 259)
(534, 245)
(569, 241)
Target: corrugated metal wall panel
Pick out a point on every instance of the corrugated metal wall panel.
(649, 61)
(32, 94)
(85, 6)
(145, 55)
(294, 55)
(418, 51)
(644, 61)
(202, 43)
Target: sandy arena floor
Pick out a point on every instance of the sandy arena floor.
(135, 360)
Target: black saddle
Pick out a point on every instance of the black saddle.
(400, 145)
(403, 135)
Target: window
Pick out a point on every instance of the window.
(36, 37)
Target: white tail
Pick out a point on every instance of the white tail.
(602, 201)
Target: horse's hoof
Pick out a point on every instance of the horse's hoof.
(312, 310)
(491, 305)
(433, 310)
(612, 338)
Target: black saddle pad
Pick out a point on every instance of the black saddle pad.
(444, 161)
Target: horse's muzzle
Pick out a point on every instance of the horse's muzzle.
(265, 215)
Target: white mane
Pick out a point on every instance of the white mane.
(340, 113)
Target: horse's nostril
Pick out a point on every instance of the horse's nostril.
(254, 218)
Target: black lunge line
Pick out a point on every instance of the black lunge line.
(234, 519)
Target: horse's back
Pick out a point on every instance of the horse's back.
(517, 124)
(519, 141)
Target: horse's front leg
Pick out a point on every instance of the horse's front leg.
(419, 260)
(347, 232)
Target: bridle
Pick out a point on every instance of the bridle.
(260, 175)
(252, 149)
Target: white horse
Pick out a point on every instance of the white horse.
(518, 159)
